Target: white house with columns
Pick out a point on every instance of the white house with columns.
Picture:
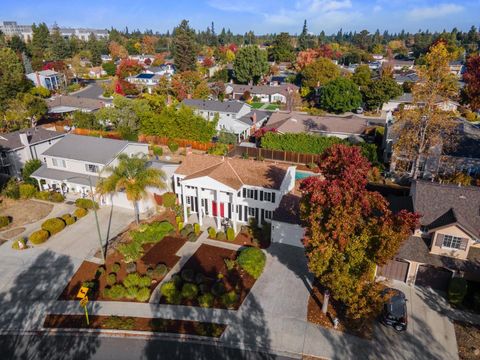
(233, 189)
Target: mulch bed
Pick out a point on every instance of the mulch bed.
(468, 340)
(135, 323)
(335, 310)
(209, 261)
(164, 252)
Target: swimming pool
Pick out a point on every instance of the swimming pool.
(300, 175)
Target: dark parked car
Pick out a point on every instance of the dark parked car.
(395, 310)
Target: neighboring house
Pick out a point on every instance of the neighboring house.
(265, 93)
(67, 104)
(142, 58)
(71, 162)
(18, 147)
(96, 72)
(49, 79)
(145, 80)
(329, 125)
(233, 116)
(231, 189)
(166, 69)
(457, 68)
(463, 156)
(447, 242)
(399, 64)
(406, 100)
(106, 58)
(402, 77)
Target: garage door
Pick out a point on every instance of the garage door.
(394, 269)
(435, 277)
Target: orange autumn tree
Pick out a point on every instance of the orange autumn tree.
(349, 230)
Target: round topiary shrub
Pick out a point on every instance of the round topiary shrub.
(80, 212)
(69, 219)
(252, 260)
(149, 272)
(189, 291)
(196, 229)
(38, 237)
(117, 291)
(173, 146)
(4, 221)
(132, 280)
(19, 244)
(457, 290)
(101, 270)
(188, 275)
(221, 236)
(204, 288)
(192, 237)
(132, 292)
(184, 232)
(177, 279)
(212, 233)
(206, 300)
(111, 279)
(229, 299)
(116, 267)
(42, 195)
(86, 203)
(160, 271)
(56, 197)
(218, 289)
(171, 293)
(145, 281)
(230, 234)
(54, 225)
(143, 294)
(131, 268)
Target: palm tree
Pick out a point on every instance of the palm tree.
(132, 176)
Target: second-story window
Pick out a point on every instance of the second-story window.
(91, 168)
(59, 163)
(452, 242)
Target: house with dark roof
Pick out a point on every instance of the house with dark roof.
(264, 93)
(231, 189)
(448, 241)
(75, 162)
(18, 147)
(235, 117)
(145, 80)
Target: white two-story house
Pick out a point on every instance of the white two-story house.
(233, 189)
(235, 117)
(76, 161)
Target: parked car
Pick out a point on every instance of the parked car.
(394, 311)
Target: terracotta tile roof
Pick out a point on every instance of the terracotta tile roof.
(233, 172)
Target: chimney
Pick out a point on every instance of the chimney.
(37, 75)
(24, 139)
(254, 117)
(169, 99)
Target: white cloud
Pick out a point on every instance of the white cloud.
(377, 8)
(434, 12)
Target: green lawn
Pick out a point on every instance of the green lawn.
(272, 107)
(256, 105)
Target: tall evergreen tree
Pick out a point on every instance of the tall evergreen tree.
(303, 38)
(184, 47)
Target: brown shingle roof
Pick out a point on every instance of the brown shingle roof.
(233, 172)
(76, 102)
(264, 89)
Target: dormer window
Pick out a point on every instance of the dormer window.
(91, 168)
(452, 242)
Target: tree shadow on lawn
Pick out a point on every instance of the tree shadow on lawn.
(23, 307)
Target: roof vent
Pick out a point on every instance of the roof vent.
(463, 197)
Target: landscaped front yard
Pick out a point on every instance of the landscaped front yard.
(468, 340)
(23, 212)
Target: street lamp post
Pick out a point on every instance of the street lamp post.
(94, 211)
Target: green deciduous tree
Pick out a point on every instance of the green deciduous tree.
(350, 230)
(85, 120)
(12, 77)
(282, 49)
(250, 64)
(379, 91)
(340, 95)
(109, 68)
(184, 47)
(362, 75)
(319, 72)
(28, 169)
(24, 111)
(131, 176)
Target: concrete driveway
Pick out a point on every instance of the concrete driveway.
(80, 240)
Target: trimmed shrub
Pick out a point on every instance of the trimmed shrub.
(177, 279)
(252, 260)
(11, 190)
(180, 226)
(56, 197)
(188, 275)
(117, 291)
(145, 281)
(132, 292)
(119, 323)
(173, 146)
(189, 228)
(42, 195)
(204, 288)
(157, 151)
(19, 244)
(229, 299)
(143, 294)
(101, 270)
(178, 219)
(218, 289)
(170, 292)
(192, 237)
(111, 279)
(196, 229)
(184, 232)
(53, 225)
(230, 234)
(206, 300)
(151, 233)
(38, 237)
(86, 203)
(160, 271)
(132, 279)
(457, 289)
(70, 221)
(221, 236)
(27, 191)
(116, 267)
(169, 200)
(80, 212)
(131, 268)
(212, 233)
(149, 272)
(189, 291)
(4, 221)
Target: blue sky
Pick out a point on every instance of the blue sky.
(242, 15)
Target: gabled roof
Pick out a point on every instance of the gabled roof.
(213, 105)
(264, 89)
(75, 102)
(87, 148)
(11, 141)
(441, 205)
(233, 172)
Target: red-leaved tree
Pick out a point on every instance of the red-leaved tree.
(128, 67)
(349, 229)
(472, 81)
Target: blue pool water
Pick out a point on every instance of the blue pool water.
(300, 175)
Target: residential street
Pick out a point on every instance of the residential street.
(93, 90)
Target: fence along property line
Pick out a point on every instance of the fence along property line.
(157, 140)
(278, 155)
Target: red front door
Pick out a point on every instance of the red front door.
(222, 214)
(214, 208)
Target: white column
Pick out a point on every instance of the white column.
(234, 212)
(184, 204)
(217, 201)
(199, 210)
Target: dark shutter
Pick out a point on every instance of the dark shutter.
(273, 197)
(229, 210)
(256, 216)
(262, 218)
(261, 195)
(239, 211)
(255, 194)
(246, 214)
(463, 244)
(244, 192)
(439, 240)
(239, 194)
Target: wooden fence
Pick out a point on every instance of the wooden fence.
(278, 155)
(97, 133)
(157, 140)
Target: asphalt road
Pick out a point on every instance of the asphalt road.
(93, 91)
(33, 347)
